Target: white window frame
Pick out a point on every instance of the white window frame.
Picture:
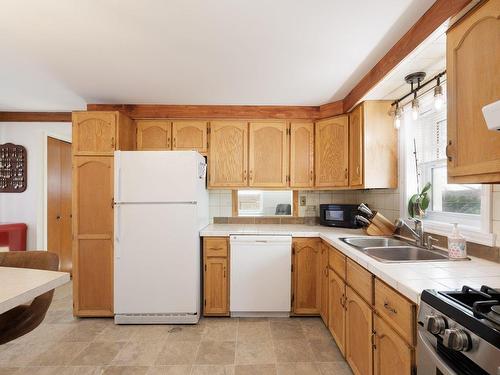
(444, 225)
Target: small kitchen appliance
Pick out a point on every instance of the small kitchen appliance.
(338, 215)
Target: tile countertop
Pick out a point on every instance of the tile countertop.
(410, 279)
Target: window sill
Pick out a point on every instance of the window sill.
(471, 234)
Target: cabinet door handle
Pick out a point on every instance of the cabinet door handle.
(311, 173)
(224, 272)
(251, 175)
(449, 151)
(168, 142)
(215, 248)
(390, 308)
(112, 142)
(174, 142)
(346, 173)
(357, 170)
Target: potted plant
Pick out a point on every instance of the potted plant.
(419, 202)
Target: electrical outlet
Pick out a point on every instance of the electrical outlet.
(303, 200)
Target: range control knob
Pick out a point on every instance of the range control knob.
(456, 339)
(435, 324)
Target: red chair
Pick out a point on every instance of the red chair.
(13, 236)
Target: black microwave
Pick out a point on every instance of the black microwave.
(338, 215)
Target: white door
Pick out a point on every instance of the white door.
(157, 259)
(158, 176)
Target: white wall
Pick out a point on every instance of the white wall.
(29, 207)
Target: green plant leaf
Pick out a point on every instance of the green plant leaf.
(426, 188)
(424, 202)
(411, 204)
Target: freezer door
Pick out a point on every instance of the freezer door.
(157, 259)
(159, 176)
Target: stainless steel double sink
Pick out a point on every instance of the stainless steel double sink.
(393, 250)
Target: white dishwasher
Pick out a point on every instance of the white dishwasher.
(260, 275)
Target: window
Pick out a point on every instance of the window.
(423, 146)
(265, 202)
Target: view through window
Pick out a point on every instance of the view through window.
(448, 202)
(265, 202)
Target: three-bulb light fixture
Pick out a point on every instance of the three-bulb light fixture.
(415, 81)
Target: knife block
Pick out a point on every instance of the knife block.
(380, 226)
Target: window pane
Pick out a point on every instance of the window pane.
(461, 198)
(265, 203)
(448, 202)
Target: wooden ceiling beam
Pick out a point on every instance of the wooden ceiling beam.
(435, 16)
(35, 116)
(147, 111)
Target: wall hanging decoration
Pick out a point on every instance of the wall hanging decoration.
(13, 168)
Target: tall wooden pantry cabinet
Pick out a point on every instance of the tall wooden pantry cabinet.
(96, 135)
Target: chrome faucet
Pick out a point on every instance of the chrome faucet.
(417, 232)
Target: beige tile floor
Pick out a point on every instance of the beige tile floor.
(64, 345)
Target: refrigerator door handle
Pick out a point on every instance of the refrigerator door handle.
(118, 231)
(118, 193)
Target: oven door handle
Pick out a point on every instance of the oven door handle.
(431, 351)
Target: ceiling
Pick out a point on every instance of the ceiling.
(61, 55)
(428, 57)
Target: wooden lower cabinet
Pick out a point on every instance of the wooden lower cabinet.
(391, 354)
(93, 277)
(336, 309)
(358, 331)
(306, 279)
(215, 277)
(323, 311)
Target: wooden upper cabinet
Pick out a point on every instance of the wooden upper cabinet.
(356, 147)
(332, 152)
(301, 154)
(101, 133)
(358, 333)
(392, 355)
(306, 276)
(189, 135)
(373, 147)
(94, 133)
(473, 79)
(268, 154)
(154, 135)
(336, 309)
(228, 154)
(93, 235)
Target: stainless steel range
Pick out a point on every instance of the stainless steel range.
(459, 332)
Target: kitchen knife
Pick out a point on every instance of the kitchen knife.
(364, 209)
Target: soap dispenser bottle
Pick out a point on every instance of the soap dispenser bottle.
(457, 245)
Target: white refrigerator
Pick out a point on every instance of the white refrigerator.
(161, 203)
